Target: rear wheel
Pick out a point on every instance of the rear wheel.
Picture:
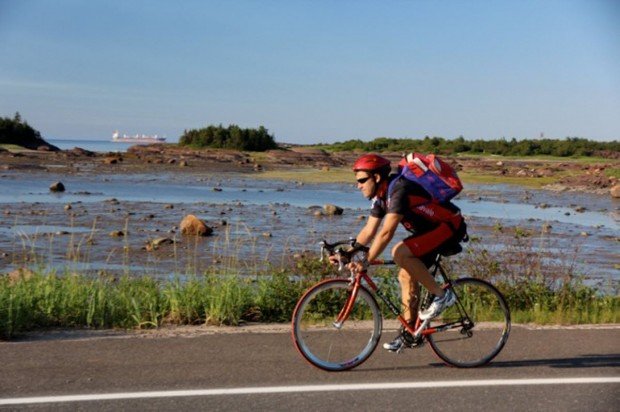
(479, 325)
(325, 341)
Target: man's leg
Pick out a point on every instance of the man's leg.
(415, 268)
(410, 289)
(410, 292)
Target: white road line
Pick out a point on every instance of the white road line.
(305, 388)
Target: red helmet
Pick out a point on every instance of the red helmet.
(372, 163)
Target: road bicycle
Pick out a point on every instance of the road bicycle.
(337, 323)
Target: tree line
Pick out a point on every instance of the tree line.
(571, 146)
(231, 137)
(18, 132)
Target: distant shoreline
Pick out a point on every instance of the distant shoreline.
(588, 174)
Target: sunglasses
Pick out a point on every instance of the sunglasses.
(363, 180)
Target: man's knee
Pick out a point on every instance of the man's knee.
(400, 252)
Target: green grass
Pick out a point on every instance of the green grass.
(310, 175)
(75, 301)
(539, 289)
(541, 158)
(484, 178)
(13, 148)
(613, 172)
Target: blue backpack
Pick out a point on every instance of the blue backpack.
(435, 176)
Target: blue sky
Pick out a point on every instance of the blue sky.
(314, 71)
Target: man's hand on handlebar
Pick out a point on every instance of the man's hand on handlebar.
(333, 259)
(342, 253)
(357, 266)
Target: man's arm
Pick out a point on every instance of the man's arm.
(385, 235)
(369, 230)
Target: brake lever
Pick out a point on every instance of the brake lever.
(340, 263)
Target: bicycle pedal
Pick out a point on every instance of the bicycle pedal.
(417, 344)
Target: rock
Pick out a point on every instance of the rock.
(78, 151)
(160, 241)
(332, 210)
(183, 163)
(68, 206)
(615, 191)
(110, 160)
(191, 225)
(267, 234)
(169, 206)
(44, 148)
(580, 209)
(546, 228)
(217, 189)
(20, 274)
(57, 187)
(500, 163)
(117, 233)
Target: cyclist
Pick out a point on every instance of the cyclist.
(433, 226)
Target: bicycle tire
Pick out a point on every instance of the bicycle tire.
(320, 341)
(469, 345)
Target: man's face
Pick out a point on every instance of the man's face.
(365, 183)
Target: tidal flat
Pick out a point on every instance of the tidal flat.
(107, 223)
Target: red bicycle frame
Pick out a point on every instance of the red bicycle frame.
(420, 327)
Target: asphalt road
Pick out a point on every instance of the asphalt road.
(262, 371)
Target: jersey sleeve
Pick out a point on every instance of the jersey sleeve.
(377, 208)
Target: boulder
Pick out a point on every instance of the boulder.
(111, 160)
(615, 191)
(57, 187)
(332, 210)
(78, 151)
(191, 225)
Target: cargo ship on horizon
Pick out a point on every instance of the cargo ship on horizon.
(138, 138)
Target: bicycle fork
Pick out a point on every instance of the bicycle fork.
(346, 310)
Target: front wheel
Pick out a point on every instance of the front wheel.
(476, 326)
(329, 339)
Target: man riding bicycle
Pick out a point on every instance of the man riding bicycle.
(434, 226)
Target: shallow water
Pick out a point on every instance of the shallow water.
(267, 220)
(496, 202)
(102, 146)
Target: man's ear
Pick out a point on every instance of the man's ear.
(377, 178)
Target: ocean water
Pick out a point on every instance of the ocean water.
(103, 146)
